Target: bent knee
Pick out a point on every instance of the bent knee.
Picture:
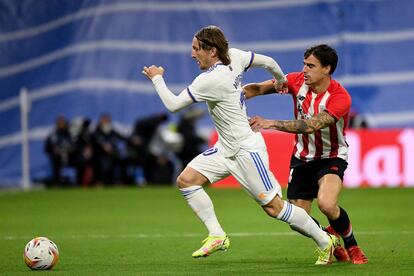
(183, 181)
(328, 208)
(190, 177)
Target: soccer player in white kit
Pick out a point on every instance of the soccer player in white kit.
(239, 151)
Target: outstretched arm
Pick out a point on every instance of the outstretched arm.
(171, 101)
(320, 121)
(272, 67)
(256, 89)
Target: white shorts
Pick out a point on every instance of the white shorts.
(251, 169)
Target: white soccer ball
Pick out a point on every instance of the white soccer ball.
(40, 253)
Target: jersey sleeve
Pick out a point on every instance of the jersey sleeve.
(339, 105)
(202, 89)
(245, 58)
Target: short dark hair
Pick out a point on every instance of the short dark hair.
(325, 54)
(213, 36)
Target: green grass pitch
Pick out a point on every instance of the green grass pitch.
(152, 231)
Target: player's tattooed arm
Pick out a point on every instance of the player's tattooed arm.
(320, 121)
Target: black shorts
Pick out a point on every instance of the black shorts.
(303, 181)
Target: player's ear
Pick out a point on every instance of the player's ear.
(213, 52)
(326, 69)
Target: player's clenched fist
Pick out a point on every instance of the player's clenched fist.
(281, 87)
(152, 71)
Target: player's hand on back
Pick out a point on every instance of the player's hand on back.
(257, 123)
(152, 71)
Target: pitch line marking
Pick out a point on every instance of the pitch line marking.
(192, 235)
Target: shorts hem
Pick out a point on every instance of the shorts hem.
(202, 173)
(272, 196)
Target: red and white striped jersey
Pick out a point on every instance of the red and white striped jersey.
(328, 142)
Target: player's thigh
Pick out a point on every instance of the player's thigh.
(330, 177)
(330, 186)
(210, 164)
(251, 169)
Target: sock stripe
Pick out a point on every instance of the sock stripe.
(190, 192)
(287, 213)
(348, 232)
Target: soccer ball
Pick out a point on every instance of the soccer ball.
(40, 253)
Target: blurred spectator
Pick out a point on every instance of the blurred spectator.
(163, 147)
(108, 165)
(157, 168)
(192, 143)
(59, 148)
(83, 153)
(356, 120)
(141, 137)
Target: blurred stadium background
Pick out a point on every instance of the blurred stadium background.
(83, 58)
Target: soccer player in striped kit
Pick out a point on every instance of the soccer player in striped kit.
(239, 151)
(320, 154)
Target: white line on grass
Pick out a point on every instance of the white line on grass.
(190, 235)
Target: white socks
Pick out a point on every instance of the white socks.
(203, 207)
(299, 220)
(296, 217)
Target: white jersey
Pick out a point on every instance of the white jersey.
(220, 87)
